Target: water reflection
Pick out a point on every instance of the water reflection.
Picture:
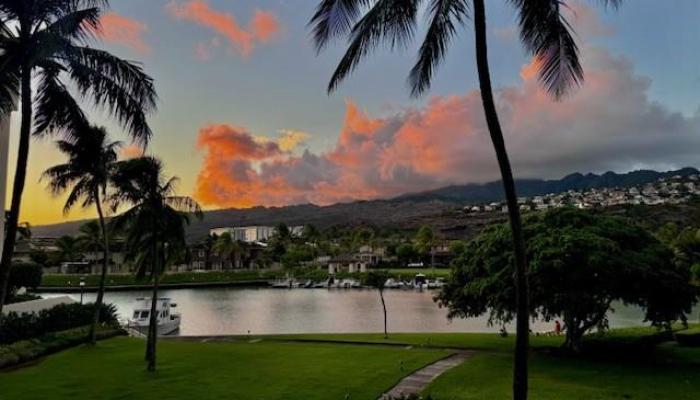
(270, 311)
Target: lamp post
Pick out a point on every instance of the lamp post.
(82, 287)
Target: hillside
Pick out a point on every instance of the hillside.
(437, 207)
(493, 191)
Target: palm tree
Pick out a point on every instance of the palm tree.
(68, 249)
(86, 174)
(46, 43)
(90, 237)
(377, 279)
(227, 248)
(546, 35)
(154, 226)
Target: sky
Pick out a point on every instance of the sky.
(244, 119)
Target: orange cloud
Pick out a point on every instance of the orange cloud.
(124, 31)
(264, 25)
(609, 124)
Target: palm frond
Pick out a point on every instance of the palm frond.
(389, 21)
(119, 86)
(333, 19)
(446, 16)
(548, 37)
(80, 25)
(55, 108)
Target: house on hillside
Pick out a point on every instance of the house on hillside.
(346, 264)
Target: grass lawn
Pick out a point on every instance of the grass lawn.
(264, 370)
(668, 372)
(300, 367)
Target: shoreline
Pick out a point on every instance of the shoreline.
(145, 286)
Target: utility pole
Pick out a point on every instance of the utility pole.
(4, 156)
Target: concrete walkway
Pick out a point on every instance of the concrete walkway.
(419, 380)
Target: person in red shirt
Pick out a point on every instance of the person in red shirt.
(557, 327)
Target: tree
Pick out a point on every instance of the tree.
(86, 175)
(154, 226)
(44, 42)
(377, 279)
(405, 252)
(68, 249)
(545, 34)
(425, 243)
(227, 248)
(580, 263)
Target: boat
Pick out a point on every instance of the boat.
(436, 284)
(283, 284)
(420, 282)
(167, 320)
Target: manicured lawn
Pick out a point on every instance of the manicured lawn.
(668, 372)
(264, 370)
(301, 367)
(488, 376)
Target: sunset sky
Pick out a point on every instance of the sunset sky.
(244, 118)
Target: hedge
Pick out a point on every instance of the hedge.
(16, 327)
(28, 350)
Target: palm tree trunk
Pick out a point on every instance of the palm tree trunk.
(18, 185)
(494, 126)
(103, 277)
(153, 320)
(381, 296)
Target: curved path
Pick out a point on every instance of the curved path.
(419, 380)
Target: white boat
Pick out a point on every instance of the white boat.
(167, 320)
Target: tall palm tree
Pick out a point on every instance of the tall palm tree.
(68, 249)
(91, 157)
(44, 44)
(154, 226)
(546, 35)
(227, 248)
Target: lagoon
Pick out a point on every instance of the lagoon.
(235, 311)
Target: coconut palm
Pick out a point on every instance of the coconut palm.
(86, 174)
(67, 249)
(227, 248)
(154, 226)
(44, 45)
(546, 35)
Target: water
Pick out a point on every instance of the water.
(274, 311)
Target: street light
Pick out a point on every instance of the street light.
(82, 286)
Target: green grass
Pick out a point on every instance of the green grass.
(264, 370)
(667, 371)
(302, 367)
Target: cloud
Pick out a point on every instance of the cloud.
(131, 151)
(263, 26)
(608, 124)
(586, 20)
(291, 139)
(124, 31)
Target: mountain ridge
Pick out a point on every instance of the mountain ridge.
(401, 211)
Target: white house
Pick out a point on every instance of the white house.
(347, 265)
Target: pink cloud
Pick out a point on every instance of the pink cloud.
(264, 25)
(124, 31)
(609, 124)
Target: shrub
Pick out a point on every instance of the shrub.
(16, 327)
(27, 350)
(25, 275)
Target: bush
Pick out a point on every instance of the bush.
(16, 327)
(25, 275)
(27, 350)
